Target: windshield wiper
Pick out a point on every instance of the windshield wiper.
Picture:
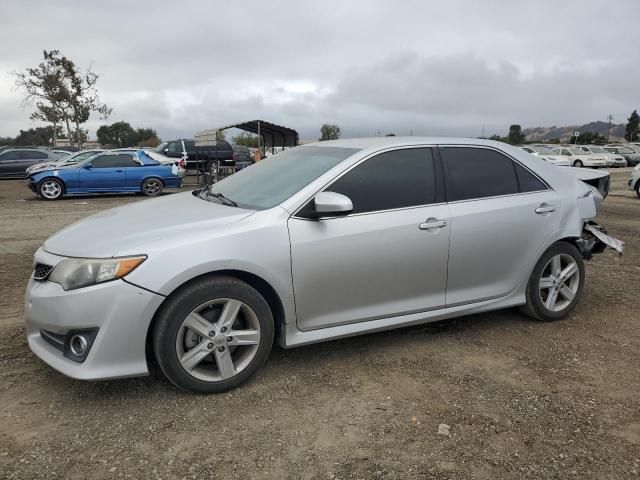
(224, 200)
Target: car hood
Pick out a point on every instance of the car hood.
(131, 229)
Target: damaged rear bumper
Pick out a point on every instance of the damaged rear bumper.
(594, 240)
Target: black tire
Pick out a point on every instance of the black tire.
(535, 307)
(179, 306)
(638, 188)
(151, 187)
(51, 189)
(578, 164)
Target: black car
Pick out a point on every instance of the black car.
(15, 161)
(197, 157)
(242, 156)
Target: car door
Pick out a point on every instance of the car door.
(134, 173)
(386, 258)
(502, 216)
(103, 173)
(31, 157)
(10, 165)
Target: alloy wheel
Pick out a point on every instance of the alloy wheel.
(152, 187)
(559, 282)
(218, 339)
(51, 189)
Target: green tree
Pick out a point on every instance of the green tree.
(41, 136)
(61, 93)
(633, 125)
(122, 134)
(591, 138)
(45, 86)
(329, 131)
(247, 139)
(516, 137)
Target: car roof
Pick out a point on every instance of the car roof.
(384, 142)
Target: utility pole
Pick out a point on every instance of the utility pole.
(610, 117)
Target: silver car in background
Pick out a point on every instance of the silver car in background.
(319, 242)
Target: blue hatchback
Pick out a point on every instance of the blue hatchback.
(108, 172)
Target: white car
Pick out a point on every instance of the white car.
(547, 155)
(613, 159)
(579, 158)
(68, 161)
(634, 180)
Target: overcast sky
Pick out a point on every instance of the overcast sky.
(434, 68)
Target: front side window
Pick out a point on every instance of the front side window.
(395, 179)
(175, 147)
(478, 173)
(33, 155)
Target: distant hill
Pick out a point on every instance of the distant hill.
(565, 133)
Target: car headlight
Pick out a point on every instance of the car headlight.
(75, 273)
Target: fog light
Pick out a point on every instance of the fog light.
(78, 345)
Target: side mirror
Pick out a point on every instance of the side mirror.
(166, 150)
(88, 167)
(331, 204)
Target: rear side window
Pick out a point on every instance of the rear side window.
(114, 161)
(396, 179)
(478, 173)
(527, 181)
(15, 155)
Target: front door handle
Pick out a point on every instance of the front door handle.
(432, 223)
(118, 171)
(545, 208)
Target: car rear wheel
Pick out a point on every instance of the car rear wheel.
(51, 189)
(213, 335)
(556, 283)
(578, 163)
(152, 187)
(638, 188)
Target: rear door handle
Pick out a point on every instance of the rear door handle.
(545, 208)
(432, 223)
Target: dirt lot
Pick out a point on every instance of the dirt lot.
(522, 399)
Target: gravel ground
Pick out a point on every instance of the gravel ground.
(522, 399)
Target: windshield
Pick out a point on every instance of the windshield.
(598, 150)
(78, 157)
(578, 151)
(271, 181)
(160, 148)
(624, 150)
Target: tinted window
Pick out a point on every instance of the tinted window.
(527, 181)
(401, 178)
(33, 155)
(478, 173)
(114, 161)
(10, 156)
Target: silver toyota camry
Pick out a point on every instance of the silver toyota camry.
(319, 242)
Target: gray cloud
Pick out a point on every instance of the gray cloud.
(370, 65)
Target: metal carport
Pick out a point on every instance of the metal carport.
(269, 134)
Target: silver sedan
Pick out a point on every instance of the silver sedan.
(318, 242)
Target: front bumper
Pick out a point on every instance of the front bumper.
(120, 312)
(32, 186)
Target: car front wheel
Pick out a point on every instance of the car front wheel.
(638, 188)
(578, 163)
(51, 189)
(556, 283)
(213, 334)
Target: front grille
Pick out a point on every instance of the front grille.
(41, 271)
(54, 339)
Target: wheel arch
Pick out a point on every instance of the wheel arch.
(149, 177)
(263, 287)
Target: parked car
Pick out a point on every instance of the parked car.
(15, 161)
(579, 158)
(66, 161)
(242, 156)
(158, 157)
(197, 157)
(547, 155)
(108, 172)
(319, 242)
(612, 159)
(632, 157)
(634, 180)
